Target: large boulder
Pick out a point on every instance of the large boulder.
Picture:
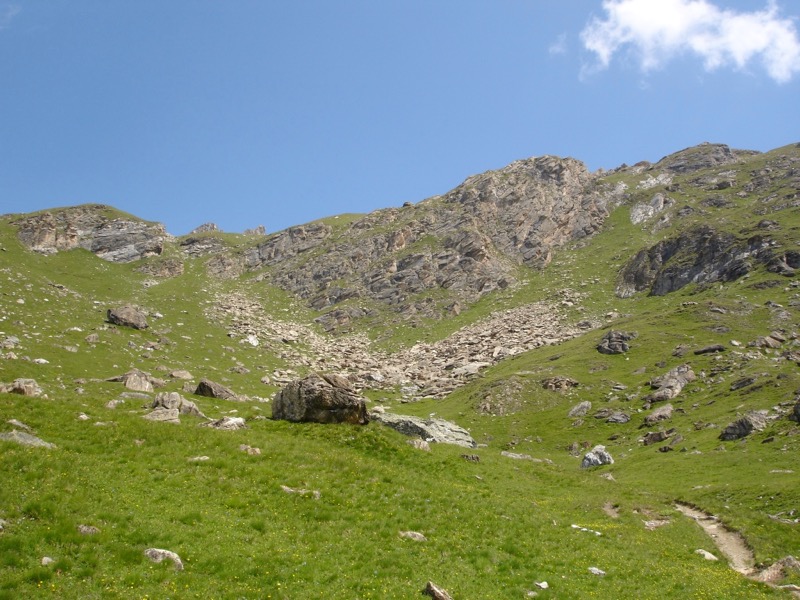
(127, 316)
(319, 399)
(430, 430)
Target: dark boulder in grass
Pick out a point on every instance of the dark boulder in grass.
(211, 389)
(320, 399)
(753, 421)
(615, 342)
(127, 316)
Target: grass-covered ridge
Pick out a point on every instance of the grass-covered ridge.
(494, 527)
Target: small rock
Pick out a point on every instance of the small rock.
(88, 530)
(250, 450)
(596, 571)
(302, 492)
(26, 439)
(413, 535)
(542, 585)
(46, 560)
(705, 554)
(227, 424)
(419, 444)
(158, 555)
(199, 458)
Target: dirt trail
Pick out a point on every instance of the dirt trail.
(729, 543)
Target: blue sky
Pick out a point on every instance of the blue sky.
(274, 112)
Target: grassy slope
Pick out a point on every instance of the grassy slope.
(494, 527)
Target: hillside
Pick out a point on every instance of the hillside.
(651, 309)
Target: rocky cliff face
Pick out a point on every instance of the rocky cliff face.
(90, 227)
(468, 241)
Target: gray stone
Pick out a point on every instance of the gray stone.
(580, 410)
(211, 389)
(662, 413)
(431, 430)
(164, 415)
(173, 400)
(615, 342)
(22, 386)
(158, 555)
(436, 592)
(26, 439)
(320, 399)
(670, 385)
(596, 457)
(127, 316)
(227, 424)
(413, 535)
(752, 421)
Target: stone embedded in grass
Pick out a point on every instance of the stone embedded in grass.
(22, 386)
(705, 554)
(250, 450)
(181, 374)
(158, 555)
(580, 410)
(302, 492)
(755, 420)
(227, 424)
(419, 444)
(596, 457)
(211, 389)
(559, 383)
(413, 535)
(662, 413)
(596, 571)
(19, 425)
(127, 316)
(164, 415)
(670, 384)
(47, 561)
(26, 439)
(435, 592)
(615, 342)
(431, 429)
(88, 530)
(176, 401)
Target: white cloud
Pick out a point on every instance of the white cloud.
(7, 14)
(658, 30)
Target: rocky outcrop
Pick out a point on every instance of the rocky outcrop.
(467, 241)
(700, 157)
(320, 399)
(100, 229)
(23, 387)
(670, 384)
(615, 342)
(431, 430)
(752, 421)
(701, 255)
